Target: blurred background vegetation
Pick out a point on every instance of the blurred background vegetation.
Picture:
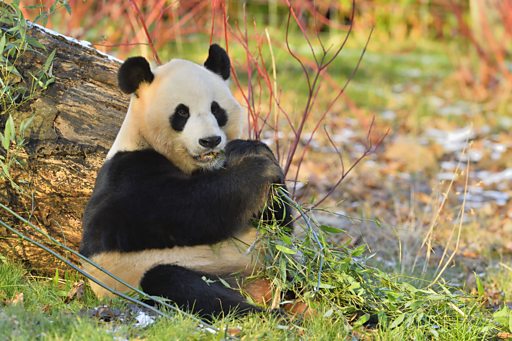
(435, 81)
(473, 36)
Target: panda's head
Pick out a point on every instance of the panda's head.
(183, 110)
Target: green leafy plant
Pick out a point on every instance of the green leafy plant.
(337, 280)
(504, 317)
(46, 12)
(16, 88)
(12, 141)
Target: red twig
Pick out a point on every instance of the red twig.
(310, 5)
(321, 65)
(302, 29)
(351, 26)
(338, 152)
(144, 27)
(290, 51)
(196, 16)
(225, 25)
(212, 30)
(370, 148)
(328, 109)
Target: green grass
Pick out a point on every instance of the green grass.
(500, 278)
(42, 312)
(342, 290)
(349, 294)
(43, 315)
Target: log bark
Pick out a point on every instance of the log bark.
(75, 122)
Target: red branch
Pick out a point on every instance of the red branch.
(321, 65)
(331, 104)
(369, 148)
(144, 27)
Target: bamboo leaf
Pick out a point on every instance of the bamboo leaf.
(8, 133)
(362, 320)
(398, 321)
(479, 286)
(35, 43)
(504, 317)
(2, 44)
(67, 6)
(25, 124)
(285, 249)
(226, 284)
(49, 61)
(326, 286)
(330, 229)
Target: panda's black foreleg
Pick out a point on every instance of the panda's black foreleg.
(195, 292)
(278, 208)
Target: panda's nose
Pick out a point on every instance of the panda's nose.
(210, 142)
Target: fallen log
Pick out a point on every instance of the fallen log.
(75, 121)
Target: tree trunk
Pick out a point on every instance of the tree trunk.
(75, 122)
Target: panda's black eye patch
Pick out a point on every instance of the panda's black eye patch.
(219, 113)
(180, 117)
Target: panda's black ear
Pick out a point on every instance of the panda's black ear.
(218, 61)
(134, 71)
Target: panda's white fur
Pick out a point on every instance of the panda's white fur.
(233, 256)
(170, 205)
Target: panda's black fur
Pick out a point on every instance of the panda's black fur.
(143, 202)
(135, 70)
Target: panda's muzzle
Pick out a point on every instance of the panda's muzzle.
(209, 143)
(207, 157)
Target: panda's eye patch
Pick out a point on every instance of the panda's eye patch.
(180, 117)
(182, 110)
(219, 113)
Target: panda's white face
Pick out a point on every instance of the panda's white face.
(189, 110)
(187, 113)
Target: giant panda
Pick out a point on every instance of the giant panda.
(172, 205)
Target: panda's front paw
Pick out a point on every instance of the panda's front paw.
(254, 162)
(237, 150)
(272, 171)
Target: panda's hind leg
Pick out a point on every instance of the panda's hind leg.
(193, 292)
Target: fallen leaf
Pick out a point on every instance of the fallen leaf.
(105, 313)
(76, 292)
(259, 290)
(233, 332)
(16, 300)
(299, 308)
(508, 247)
(504, 335)
(470, 254)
